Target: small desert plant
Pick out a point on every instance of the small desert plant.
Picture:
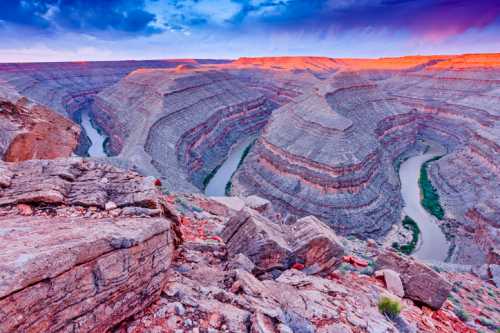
(462, 314)
(389, 306)
(488, 323)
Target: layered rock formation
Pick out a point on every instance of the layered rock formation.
(211, 288)
(183, 121)
(456, 101)
(69, 265)
(338, 129)
(32, 131)
(321, 153)
(330, 152)
(69, 87)
(88, 248)
(308, 243)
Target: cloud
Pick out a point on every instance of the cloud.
(89, 16)
(432, 18)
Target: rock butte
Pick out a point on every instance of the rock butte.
(92, 247)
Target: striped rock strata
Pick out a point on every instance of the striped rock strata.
(320, 155)
(331, 152)
(68, 265)
(69, 87)
(181, 122)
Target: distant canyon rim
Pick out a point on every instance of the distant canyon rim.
(330, 133)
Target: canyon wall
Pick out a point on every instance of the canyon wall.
(68, 88)
(331, 132)
(180, 123)
(337, 159)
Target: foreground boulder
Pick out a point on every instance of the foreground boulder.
(79, 275)
(66, 262)
(421, 283)
(308, 243)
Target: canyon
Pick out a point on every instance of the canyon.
(308, 150)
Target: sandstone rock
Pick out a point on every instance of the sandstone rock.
(262, 324)
(240, 261)
(315, 245)
(32, 131)
(69, 272)
(259, 239)
(335, 328)
(257, 203)
(77, 182)
(277, 247)
(421, 283)
(495, 274)
(5, 176)
(24, 209)
(233, 203)
(284, 329)
(392, 281)
(110, 205)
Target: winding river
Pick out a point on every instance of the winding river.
(96, 148)
(433, 244)
(216, 187)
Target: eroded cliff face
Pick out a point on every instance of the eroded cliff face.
(457, 103)
(68, 88)
(32, 131)
(84, 245)
(89, 247)
(330, 131)
(336, 159)
(182, 122)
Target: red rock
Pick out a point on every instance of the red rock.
(40, 133)
(215, 320)
(298, 266)
(24, 209)
(355, 261)
(157, 182)
(272, 246)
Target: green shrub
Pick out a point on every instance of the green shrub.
(462, 314)
(488, 323)
(210, 176)
(430, 197)
(389, 307)
(411, 225)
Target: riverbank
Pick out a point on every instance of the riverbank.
(433, 244)
(430, 197)
(97, 140)
(218, 180)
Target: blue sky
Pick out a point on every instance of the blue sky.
(57, 30)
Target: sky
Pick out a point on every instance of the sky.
(73, 30)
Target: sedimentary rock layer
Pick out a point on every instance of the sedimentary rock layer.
(319, 154)
(331, 152)
(457, 103)
(182, 121)
(331, 147)
(69, 87)
(78, 274)
(68, 264)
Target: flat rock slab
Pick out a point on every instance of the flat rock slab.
(75, 181)
(79, 274)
